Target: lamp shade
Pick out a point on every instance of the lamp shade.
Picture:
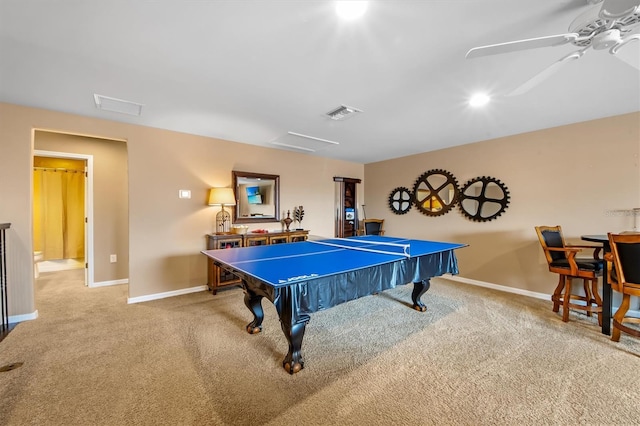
(221, 197)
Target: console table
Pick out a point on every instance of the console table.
(217, 277)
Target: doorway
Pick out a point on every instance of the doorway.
(62, 212)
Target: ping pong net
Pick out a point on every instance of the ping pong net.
(370, 246)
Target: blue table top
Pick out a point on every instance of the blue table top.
(283, 264)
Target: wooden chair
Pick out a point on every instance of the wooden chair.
(373, 226)
(624, 275)
(562, 260)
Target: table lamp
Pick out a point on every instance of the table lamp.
(222, 197)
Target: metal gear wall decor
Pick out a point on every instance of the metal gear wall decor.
(483, 199)
(400, 200)
(435, 192)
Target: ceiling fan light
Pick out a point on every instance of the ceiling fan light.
(479, 100)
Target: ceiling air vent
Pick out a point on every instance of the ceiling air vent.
(343, 112)
(117, 105)
(300, 142)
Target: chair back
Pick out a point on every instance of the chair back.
(373, 226)
(625, 250)
(551, 236)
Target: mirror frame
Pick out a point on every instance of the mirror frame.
(482, 199)
(236, 176)
(422, 194)
(400, 200)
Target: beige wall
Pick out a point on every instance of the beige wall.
(110, 198)
(166, 233)
(575, 176)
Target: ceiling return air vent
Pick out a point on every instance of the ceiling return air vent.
(304, 143)
(343, 112)
(117, 105)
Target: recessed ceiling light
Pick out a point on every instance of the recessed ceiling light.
(479, 100)
(351, 9)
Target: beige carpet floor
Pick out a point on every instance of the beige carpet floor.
(476, 357)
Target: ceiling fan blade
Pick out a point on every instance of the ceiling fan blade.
(514, 46)
(546, 73)
(615, 9)
(629, 54)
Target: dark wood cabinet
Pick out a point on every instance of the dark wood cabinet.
(256, 240)
(346, 206)
(218, 277)
(278, 239)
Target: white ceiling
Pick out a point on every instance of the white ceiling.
(252, 70)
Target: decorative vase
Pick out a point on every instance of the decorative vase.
(288, 220)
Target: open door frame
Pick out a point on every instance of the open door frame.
(88, 207)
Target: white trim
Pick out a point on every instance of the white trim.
(166, 294)
(109, 283)
(498, 287)
(506, 289)
(24, 317)
(630, 312)
(88, 208)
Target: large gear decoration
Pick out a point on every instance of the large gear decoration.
(435, 192)
(483, 199)
(400, 200)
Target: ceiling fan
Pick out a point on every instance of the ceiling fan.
(609, 26)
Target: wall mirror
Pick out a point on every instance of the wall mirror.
(257, 197)
(483, 199)
(435, 192)
(400, 200)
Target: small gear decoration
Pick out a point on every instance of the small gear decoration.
(483, 199)
(435, 192)
(400, 200)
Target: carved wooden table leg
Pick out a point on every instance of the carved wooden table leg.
(253, 301)
(293, 325)
(419, 288)
(293, 362)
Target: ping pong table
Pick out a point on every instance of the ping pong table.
(305, 277)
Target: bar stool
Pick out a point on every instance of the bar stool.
(561, 259)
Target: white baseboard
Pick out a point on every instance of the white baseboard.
(503, 288)
(506, 289)
(13, 319)
(164, 295)
(108, 283)
(24, 317)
